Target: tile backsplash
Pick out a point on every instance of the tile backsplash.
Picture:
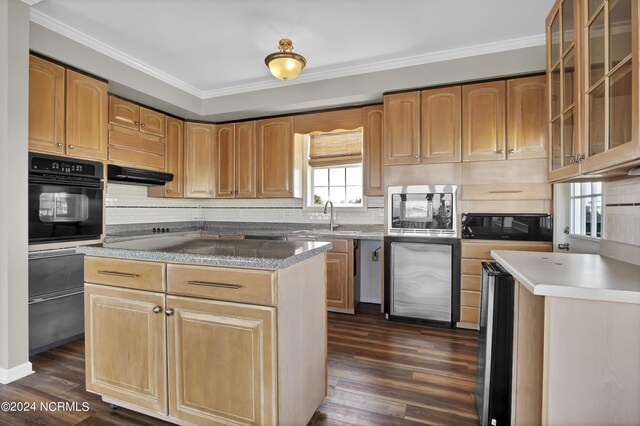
(622, 211)
(128, 204)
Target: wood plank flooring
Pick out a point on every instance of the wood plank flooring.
(380, 373)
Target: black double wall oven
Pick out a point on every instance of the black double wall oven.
(65, 210)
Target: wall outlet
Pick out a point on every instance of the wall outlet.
(374, 256)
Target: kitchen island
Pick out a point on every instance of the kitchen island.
(576, 345)
(200, 331)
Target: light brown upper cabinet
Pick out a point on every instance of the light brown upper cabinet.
(200, 160)
(372, 150)
(527, 118)
(279, 159)
(402, 128)
(483, 127)
(344, 119)
(136, 117)
(87, 115)
(236, 160)
(46, 106)
(441, 125)
(174, 161)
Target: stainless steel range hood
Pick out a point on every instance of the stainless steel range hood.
(133, 176)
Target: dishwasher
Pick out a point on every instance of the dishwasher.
(422, 280)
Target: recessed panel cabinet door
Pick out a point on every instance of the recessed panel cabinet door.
(275, 158)
(222, 362)
(225, 161)
(200, 160)
(174, 157)
(527, 117)
(152, 122)
(46, 106)
(483, 127)
(245, 159)
(125, 345)
(87, 116)
(124, 113)
(373, 153)
(441, 125)
(337, 280)
(402, 128)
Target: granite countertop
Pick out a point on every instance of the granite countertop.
(578, 276)
(189, 249)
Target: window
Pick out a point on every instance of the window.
(334, 169)
(586, 209)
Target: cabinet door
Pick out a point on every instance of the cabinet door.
(402, 128)
(87, 115)
(225, 161)
(200, 160)
(152, 122)
(245, 134)
(338, 280)
(124, 113)
(222, 362)
(275, 158)
(373, 150)
(441, 125)
(174, 157)
(46, 106)
(125, 346)
(483, 128)
(527, 117)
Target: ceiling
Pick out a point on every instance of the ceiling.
(216, 48)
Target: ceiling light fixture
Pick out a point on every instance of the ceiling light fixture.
(285, 64)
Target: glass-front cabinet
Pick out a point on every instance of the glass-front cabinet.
(592, 72)
(562, 82)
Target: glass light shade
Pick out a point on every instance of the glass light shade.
(285, 66)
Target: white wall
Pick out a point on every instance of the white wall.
(130, 204)
(14, 97)
(622, 211)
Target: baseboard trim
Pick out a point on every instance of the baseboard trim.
(15, 373)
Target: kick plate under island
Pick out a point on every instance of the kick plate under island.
(200, 331)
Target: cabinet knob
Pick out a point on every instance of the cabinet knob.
(141, 124)
(231, 192)
(137, 123)
(498, 151)
(168, 191)
(415, 156)
(512, 150)
(59, 144)
(168, 312)
(238, 192)
(157, 309)
(426, 156)
(72, 146)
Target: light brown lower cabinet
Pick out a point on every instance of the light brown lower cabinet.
(191, 357)
(474, 252)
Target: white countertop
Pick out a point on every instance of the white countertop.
(577, 276)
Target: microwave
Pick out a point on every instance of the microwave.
(422, 210)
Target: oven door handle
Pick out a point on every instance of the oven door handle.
(71, 183)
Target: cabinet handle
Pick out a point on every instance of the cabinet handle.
(59, 144)
(137, 123)
(168, 312)
(119, 274)
(506, 191)
(580, 157)
(572, 159)
(207, 284)
(498, 151)
(141, 124)
(157, 309)
(72, 146)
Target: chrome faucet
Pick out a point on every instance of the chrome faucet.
(332, 225)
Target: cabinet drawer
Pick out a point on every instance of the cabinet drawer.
(134, 274)
(134, 158)
(470, 298)
(470, 282)
(339, 246)
(469, 314)
(235, 285)
(470, 266)
(482, 250)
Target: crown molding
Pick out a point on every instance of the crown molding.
(269, 83)
(82, 38)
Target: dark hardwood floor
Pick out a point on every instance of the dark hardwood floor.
(380, 373)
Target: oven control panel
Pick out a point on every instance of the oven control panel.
(63, 166)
